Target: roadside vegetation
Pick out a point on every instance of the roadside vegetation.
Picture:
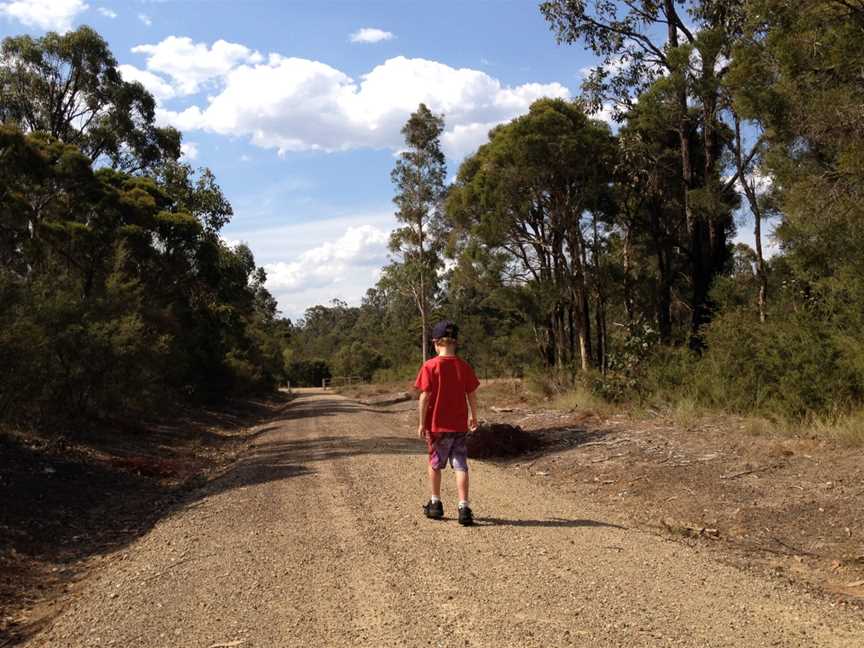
(117, 294)
(601, 261)
(585, 258)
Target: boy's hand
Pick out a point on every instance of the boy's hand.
(472, 423)
(421, 431)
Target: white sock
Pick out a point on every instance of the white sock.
(434, 499)
(463, 503)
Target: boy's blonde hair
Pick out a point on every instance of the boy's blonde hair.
(445, 341)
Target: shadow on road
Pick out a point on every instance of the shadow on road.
(551, 522)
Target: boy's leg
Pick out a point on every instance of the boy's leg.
(459, 462)
(435, 481)
(461, 484)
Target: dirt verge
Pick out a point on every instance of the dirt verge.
(65, 506)
(770, 503)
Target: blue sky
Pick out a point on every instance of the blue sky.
(296, 106)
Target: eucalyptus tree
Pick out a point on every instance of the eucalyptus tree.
(684, 46)
(797, 71)
(533, 192)
(419, 180)
(68, 86)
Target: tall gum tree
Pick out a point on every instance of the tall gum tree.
(419, 181)
(533, 192)
(68, 86)
(640, 43)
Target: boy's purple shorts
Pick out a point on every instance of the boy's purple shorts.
(448, 446)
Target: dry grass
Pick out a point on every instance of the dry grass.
(505, 392)
(687, 413)
(847, 429)
(843, 429)
(581, 398)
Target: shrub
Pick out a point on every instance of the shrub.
(794, 367)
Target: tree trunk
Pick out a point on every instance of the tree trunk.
(664, 284)
(695, 228)
(422, 301)
(628, 282)
(753, 201)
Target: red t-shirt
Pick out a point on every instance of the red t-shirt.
(448, 379)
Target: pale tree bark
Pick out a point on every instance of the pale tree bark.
(756, 210)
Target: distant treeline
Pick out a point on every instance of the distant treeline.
(117, 295)
(574, 251)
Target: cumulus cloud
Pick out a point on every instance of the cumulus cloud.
(144, 18)
(189, 151)
(371, 35)
(191, 65)
(295, 104)
(156, 85)
(319, 260)
(330, 262)
(108, 13)
(464, 139)
(57, 15)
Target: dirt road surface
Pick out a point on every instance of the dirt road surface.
(316, 538)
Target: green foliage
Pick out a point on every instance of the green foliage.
(793, 368)
(68, 86)
(357, 359)
(528, 199)
(116, 299)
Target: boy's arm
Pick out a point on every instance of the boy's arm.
(422, 408)
(472, 403)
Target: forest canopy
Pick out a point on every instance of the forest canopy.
(577, 252)
(574, 249)
(118, 294)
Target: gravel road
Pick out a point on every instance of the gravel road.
(316, 538)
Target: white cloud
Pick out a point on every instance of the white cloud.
(319, 260)
(464, 139)
(156, 85)
(294, 104)
(58, 15)
(371, 35)
(144, 18)
(330, 262)
(108, 13)
(189, 151)
(606, 114)
(186, 120)
(192, 65)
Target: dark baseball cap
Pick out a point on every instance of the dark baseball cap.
(445, 329)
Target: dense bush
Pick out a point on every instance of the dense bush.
(307, 373)
(794, 367)
(115, 298)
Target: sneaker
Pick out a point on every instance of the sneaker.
(434, 510)
(466, 518)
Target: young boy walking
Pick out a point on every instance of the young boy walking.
(448, 387)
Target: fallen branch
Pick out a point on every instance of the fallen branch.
(229, 644)
(602, 459)
(799, 552)
(608, 444)
(745, 472)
